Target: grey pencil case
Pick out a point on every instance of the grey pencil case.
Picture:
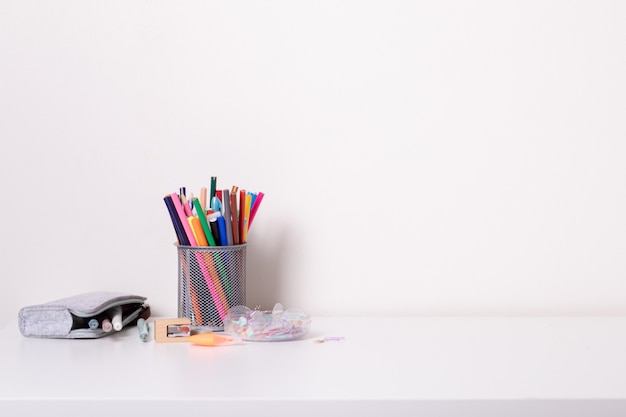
(68, 318)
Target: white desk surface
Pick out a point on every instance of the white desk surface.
(444, 366)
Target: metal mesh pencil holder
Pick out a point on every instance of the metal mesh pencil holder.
(211, 280)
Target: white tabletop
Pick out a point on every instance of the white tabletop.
(395, 366)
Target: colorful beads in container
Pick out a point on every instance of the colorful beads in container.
(267, 326)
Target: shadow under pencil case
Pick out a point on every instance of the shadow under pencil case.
(68, 318)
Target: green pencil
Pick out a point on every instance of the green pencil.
(212, 190)
(203, 222)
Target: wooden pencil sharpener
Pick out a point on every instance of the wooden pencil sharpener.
(172, 330)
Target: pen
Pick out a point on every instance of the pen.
(215, 231)
(142, 325)
(216, 204)
(213, 188)
(106, 325)
(221, 224)
(254, 208)
(116, 318)
(252, 199)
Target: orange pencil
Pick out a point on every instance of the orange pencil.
(198, 233)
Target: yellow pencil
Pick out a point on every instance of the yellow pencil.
(246, 217)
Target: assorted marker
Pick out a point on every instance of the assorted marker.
(111, 319)
(226, 221)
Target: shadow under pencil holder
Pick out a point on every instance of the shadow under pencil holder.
(211, 280)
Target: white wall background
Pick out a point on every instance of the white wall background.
(418, 157)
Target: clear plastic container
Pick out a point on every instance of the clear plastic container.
(267, 326)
